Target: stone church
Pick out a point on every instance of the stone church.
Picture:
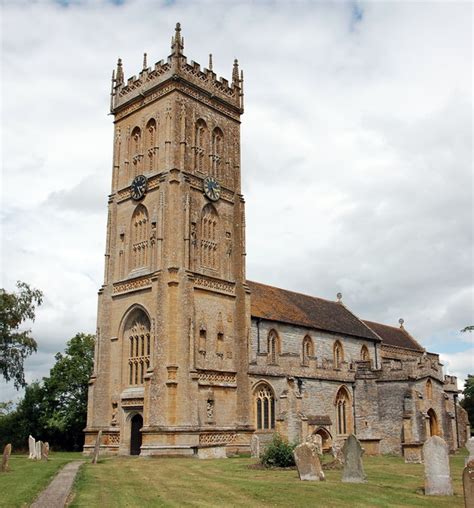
(192, 358)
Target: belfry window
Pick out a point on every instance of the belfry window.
(139, 347)
(209, 235)
(135, 149)
(273, 347)
(308, 350)
(217, 141)
(343, 412)
(151, 143)
(264, 408)
(139, 237)
(201, 136)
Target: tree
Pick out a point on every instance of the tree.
(16, 345)
(468, 401)
(469, 328)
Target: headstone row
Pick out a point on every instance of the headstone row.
(38, 450)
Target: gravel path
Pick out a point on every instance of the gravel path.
(56, 493)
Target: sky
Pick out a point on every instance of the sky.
(356, 152)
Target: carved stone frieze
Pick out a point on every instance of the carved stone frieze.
(221, 286)
(217, 438)
(216, 378)
(132, 285)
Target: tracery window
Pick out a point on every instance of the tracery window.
(364, 354)
(273, 347)
(151, 143)
(217, 143)
(338, 354)
(264, 407)
(137, 332)
(209, 235)
(201, 136)
(139, 237)
(308, 349)
(429, 389)
(135, 149)
(343, 412)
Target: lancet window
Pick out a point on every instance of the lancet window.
(201, 136)
(338, 355)
(308, 349)
(429, 389)
(137, 333)
(209, 236)
(273, 346)
(140, 238)
(264, 407)
(217, 143)
(364, 354)
(135, 149)
(343, 411)
(151, 143)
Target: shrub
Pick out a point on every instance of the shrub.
(279, 453)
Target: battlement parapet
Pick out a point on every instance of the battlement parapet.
(451, 384)
(412, 368)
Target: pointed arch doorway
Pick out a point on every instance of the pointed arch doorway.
(136, 435)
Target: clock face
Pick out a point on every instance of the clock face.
(138, 187)
(212, 189)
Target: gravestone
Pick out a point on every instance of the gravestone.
(255, 446)
(95, 457)
(308, 463)
(353, 471)
(437, 477)
(31, 447)
(470, 449)
(39, 445)
(317, 441)
(6, 457)
(336, 452)
(45, 451)
(468, 484)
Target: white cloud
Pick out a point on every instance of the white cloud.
(356, 150)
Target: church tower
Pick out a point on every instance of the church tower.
(171, 359)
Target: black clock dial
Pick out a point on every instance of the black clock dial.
(138, 187)
(212, 189)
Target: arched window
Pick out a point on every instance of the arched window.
(151, 143)
(308, 349)
(135, 149)
(273, 347)
(343, 412)
(338, 353)
(364, 354)
(201, 136)
(139, 238)
(429, 389)
(433, 423)
(137, 333)
(217, 143)
(264, 407)
(209, 236)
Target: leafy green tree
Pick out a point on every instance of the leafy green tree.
(16, 345)
(469, 328)
(468, 401)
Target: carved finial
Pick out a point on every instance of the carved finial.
(210, 61)
(401, 321)
(112, 86)
(145, 65)
(177, 42)
(235, 73)
(119, 73)
(242, 89)
(339, 297)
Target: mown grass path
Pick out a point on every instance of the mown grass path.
(155, 482)
(27, 478)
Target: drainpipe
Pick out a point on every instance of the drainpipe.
(258, 335)
(354, 407)
(455, 398)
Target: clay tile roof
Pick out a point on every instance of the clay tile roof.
(275, 304)
(394, 336)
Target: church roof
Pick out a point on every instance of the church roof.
(275, 304)
(394, 336)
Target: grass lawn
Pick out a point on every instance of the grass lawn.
(27, 478)
(144, 482)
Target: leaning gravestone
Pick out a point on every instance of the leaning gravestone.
(255, 446)
(6, 457)
(31, 447)
(470, 449)
(39, 445)
(437, 477)
(468, 484)
(317, 441)
(45, 451)
(353, 471)
(95, 457)
(308, 463)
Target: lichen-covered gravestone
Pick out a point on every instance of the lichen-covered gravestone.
(317, 441)
(353, 471)
(308, 463)
(95, 457)
(468, 484)
(437, 476)
(39, 445)
(470, 449)
(255, 446)
(31, 447)
(45, 451)
(6, 457)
